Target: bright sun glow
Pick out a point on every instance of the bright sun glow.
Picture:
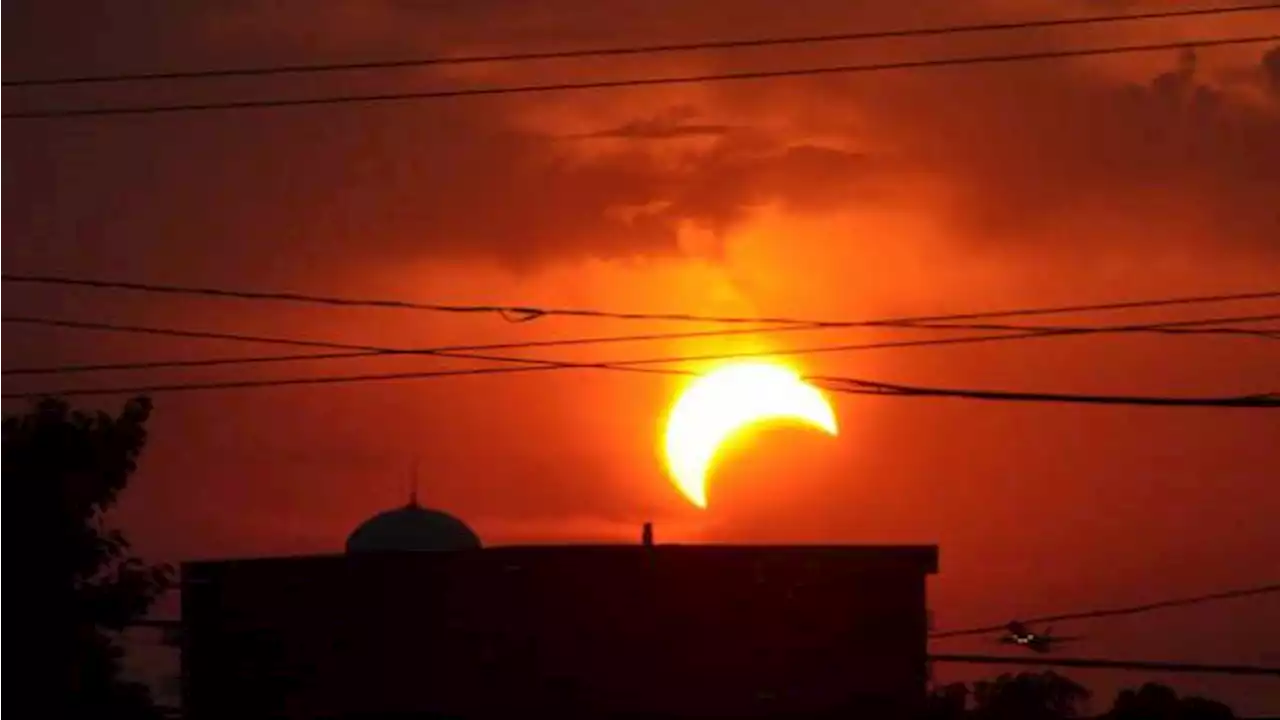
(722, 402)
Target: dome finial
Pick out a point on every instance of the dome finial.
(413, 485)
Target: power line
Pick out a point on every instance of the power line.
(333, 380)
(842, 384)
(848, 385)
(349, 351)
(636, 50)
(1145, 665)
(1256, 400)
(524, 313)
(174, 626)
(359, 350)
(1112, 612)
(636, 365)
(1182, 327)
(853, 387)
(637, 82)
(459, 352)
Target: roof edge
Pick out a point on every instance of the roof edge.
(924, 557)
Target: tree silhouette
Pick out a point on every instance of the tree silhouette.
(1029, 696)
(1154, 701)
(947, 702)
(79, 584)
(1051, 696)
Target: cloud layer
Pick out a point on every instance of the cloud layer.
(1044, 155)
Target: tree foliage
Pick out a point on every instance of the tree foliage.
(80, 584)
(1161, 702)
(1050, 696)
(1030, 696)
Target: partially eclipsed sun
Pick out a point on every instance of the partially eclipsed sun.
(718, 404)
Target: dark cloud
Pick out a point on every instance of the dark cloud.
(718, 187)
(1031, 154)
(651, 130)
(674, 123)
(280, 191)
(1271, 70)
(1053, 159)
(292, 192)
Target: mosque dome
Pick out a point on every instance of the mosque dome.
(412, 528)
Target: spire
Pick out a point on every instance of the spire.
(413, 486)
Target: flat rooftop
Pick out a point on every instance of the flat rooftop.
(921, 559)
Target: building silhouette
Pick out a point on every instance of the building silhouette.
(412, 528)
(417, 620)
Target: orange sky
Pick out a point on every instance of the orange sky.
(939, 191)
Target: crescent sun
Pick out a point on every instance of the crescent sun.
(722, 402)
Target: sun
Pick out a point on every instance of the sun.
(716, 405)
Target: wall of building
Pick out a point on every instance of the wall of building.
(571, 631)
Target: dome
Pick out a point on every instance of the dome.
(412, 527)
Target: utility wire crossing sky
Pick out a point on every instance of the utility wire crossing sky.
(1116, 612)
(539, 312)
(1264, 399)
(643, 49)
(1025, 332)
(1009, 332)
(330, 100)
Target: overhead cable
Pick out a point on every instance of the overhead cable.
(522, 313)
(1181, 327)
(1113, 612)
(841, 384)
(363, 99)
(741, 43)
(1140, 665)
(1178, 327)
(847, 385)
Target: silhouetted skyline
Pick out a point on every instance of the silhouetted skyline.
(932, 191)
